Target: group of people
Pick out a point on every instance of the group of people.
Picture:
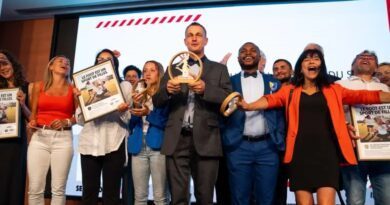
(289, 126)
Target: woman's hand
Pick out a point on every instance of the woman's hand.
(58, 124)
(76, 92)
(21, 97)
(32, 124)
(143, 111)
(123, 107)
(137, 97)
(242, 105)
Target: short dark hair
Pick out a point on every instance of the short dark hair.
(19, 79)
(196, 24)
(384, 64)
(322, 78)
(134, 68)
(114, 59)
(283, 60)
(254, 45)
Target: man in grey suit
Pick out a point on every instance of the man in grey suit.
(192, 142)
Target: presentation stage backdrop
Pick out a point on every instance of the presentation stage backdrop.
(281, 30)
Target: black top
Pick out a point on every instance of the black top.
(315, 161)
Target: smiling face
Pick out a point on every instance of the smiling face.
(311, 66)
(6, 68)
(196, 39)
(282, 71)
(383, 74)
(365, 64)
(60, 65)
(249, 56)
(131, 76)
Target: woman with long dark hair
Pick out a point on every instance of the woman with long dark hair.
(13, 151)
(102, 145)
(317, 137)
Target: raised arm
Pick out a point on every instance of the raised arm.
(274, 100)
(260, 104)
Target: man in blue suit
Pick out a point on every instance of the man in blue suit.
(252, 139)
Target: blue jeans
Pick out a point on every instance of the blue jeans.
(253, 170)
(149, 162)
(355, 182)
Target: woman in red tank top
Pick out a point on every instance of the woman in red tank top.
(51, 146)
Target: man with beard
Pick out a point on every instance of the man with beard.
(355, 177)
(252, 139)
(383, 73)
(282, 71)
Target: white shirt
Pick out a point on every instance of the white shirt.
(252, 90)
(188, 119)
(357, 83)
(104, 134)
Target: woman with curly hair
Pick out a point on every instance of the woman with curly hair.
(13, 151)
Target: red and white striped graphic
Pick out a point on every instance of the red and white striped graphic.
(148, 21)
(388, 12)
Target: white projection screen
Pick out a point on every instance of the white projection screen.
(281, 30)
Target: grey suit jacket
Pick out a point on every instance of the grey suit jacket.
(206, 130)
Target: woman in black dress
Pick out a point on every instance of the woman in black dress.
(13, 151)
(317, 138)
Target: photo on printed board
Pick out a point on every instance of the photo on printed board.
(372, 124)
(100, 90)
(9, 113)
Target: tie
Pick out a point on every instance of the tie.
(246, 74)
(192, 62)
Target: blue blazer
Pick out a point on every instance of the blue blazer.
(233, 126)
(157, 119)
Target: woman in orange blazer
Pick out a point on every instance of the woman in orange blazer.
(317, 136)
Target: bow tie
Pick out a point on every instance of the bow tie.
(246, 74)
(192, 62)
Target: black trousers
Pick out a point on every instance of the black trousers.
(222, 187)
(280, 197)
(183, 164)
(13, 154)
(111, 165)
(128, 185)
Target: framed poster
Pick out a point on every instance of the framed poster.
(100, 90)
(372, 124)
(9, 113)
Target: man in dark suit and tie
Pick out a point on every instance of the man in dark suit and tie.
(252, 139)
(192, 142)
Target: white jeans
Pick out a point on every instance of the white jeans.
(144, 164)
(54, 149)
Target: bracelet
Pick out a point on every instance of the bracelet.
(69, 122)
